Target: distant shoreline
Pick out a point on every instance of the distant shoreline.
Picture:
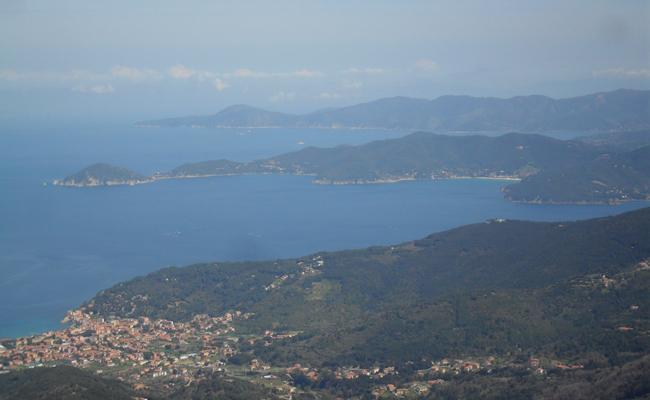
(379, 128)
(378, 182)
(155, 178)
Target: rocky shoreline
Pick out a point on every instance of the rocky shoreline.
(96, 182)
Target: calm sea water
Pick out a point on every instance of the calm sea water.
(59, 246)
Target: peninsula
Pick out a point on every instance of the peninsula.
(551, 170)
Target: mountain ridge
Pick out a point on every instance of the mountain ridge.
(622, 109)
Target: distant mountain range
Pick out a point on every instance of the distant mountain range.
(621, 110)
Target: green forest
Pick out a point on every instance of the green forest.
(486, 288)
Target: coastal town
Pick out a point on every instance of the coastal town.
(136, 346)
(141, 350)
(144, 351)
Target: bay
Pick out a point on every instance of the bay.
(59, 245)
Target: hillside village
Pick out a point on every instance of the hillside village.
(143, 351)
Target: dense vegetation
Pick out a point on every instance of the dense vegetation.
(70, 383)
(627, 381)
(214, 386)
(515, 382)
(420, 155)
(490, 287)
(618, 110)
(553, 171)
(608, 179)
(625, 141)
(574, 320)
(61, 383)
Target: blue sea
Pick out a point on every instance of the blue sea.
(61, 245)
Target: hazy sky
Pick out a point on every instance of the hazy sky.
(150, 59)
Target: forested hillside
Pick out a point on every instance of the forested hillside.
(609, 179)
(492, 310)
(513, 277)
(420, 155)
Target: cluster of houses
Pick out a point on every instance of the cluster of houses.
(123, 341)
(341, 372)
(569, 367)
(143, 348)
(278, 281)
(270, 336)
(457, 366)
(413, 387)
(135, 345)
(309, 268)
(595, 280)
(592, 281)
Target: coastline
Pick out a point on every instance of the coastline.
(379, 181)
(325, 181)
(318, 181)
(377, 128)
(580, 203)
(95, 184)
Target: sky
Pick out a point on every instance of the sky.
(130, 61)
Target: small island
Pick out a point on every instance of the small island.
(103, 174)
